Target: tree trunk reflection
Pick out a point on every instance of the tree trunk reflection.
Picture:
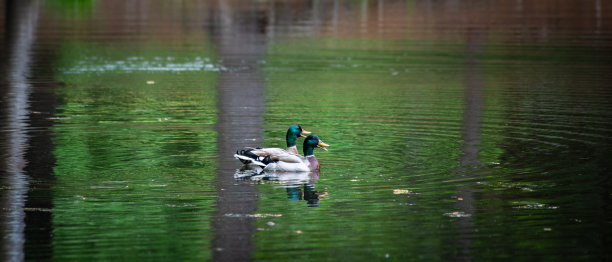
(469, 163)
(240, 43)
(22, 17)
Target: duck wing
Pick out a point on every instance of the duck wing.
(269, 151)
(288, 158)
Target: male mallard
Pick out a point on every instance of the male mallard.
(286, 161)
(293, 133)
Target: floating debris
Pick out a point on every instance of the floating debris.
(270, 223)
(186, 205)
(535, 206)
(323, 194)
(150, 82)
(457, 214)
(404, 191)
(517, 185)
(547, 229)
(252, 215)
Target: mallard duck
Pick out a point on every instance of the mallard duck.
(293, 133)
(286, 161)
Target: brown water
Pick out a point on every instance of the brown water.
(458, 130)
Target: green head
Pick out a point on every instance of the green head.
(293, 133)
(311, 142)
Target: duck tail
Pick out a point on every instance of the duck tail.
(247, 157)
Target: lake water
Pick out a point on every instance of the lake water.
(458, 130)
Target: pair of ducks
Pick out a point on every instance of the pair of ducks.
(289, 160)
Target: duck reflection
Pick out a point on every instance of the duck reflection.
(299, 185)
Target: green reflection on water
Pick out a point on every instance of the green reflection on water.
(393, 120)
(72, 8)
(134, 149)
(395, 113)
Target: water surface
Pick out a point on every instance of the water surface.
(469, 131)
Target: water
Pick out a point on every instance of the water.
(470, 131)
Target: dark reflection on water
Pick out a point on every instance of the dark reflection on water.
(459, 130)
(240, 43)
(469, 163)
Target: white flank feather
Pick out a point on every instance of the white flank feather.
(246, 158)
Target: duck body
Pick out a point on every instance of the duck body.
(293, 133)
(280, 161)
(286, 161)
(283, 166)
(293, 163)
(309, 164)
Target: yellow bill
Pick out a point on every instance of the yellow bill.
(322, 145)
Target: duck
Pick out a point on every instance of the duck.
(292, 135)
(286, 161)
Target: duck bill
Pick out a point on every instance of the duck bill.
(322, 145)
(304, 132)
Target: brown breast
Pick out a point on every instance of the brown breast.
(293, 150)
(314, 163)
